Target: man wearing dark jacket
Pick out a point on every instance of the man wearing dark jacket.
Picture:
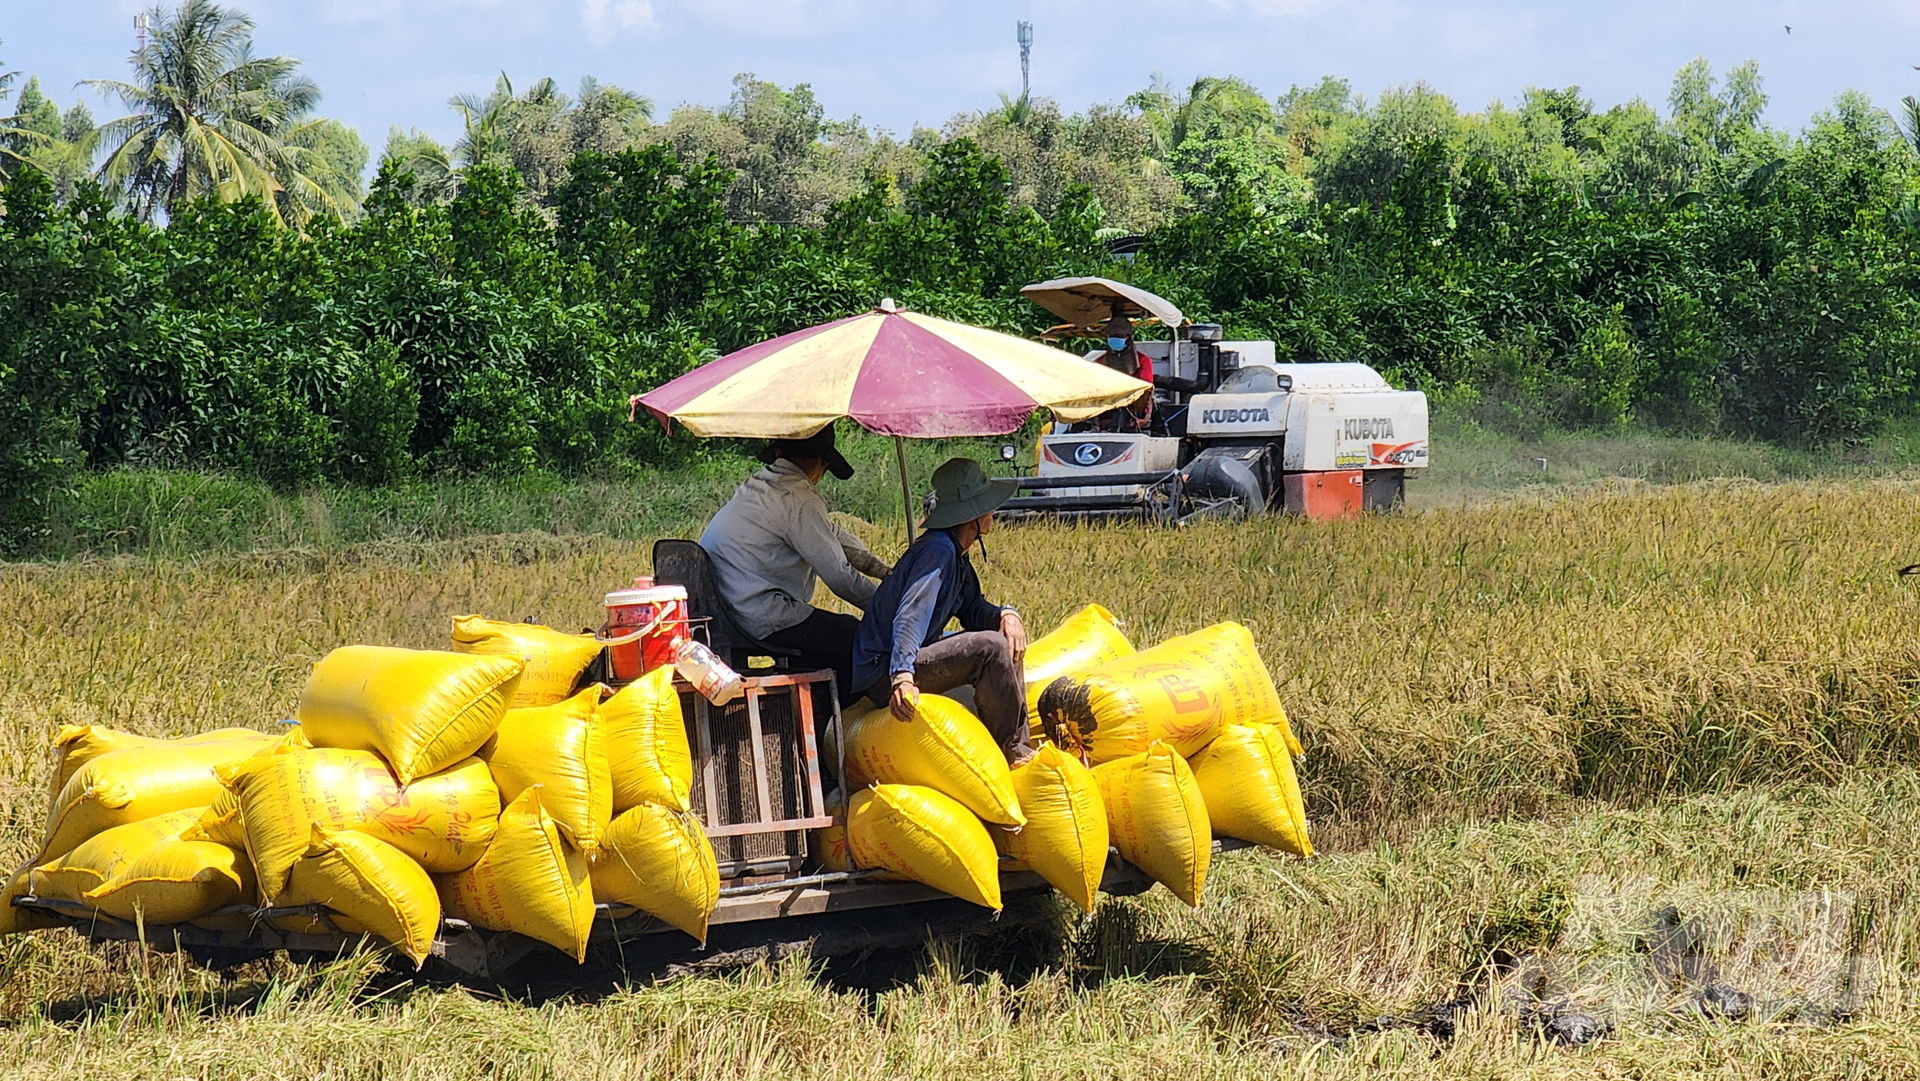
(899, 651)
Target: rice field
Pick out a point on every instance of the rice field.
(1640, 759)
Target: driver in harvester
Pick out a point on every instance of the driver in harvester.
(1122, 356)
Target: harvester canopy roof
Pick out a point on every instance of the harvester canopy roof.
(1087, 303)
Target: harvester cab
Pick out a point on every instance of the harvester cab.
(1231, 431)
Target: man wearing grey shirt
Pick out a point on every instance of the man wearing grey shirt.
(773, 541)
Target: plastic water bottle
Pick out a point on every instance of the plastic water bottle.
(710, 675)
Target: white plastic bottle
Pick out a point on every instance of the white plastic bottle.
(711, 676)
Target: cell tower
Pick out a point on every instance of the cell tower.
(1026, 50)
(140, 30)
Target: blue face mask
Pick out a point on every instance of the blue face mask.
(1116, 344)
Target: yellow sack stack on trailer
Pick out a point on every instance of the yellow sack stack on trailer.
(69, 876)
(420, 710)
(1086, 639)
(554, 659)
(77, 744)
(1182, 691)
(177, 881)
(563, 749)
(1158, 819)
(529, 882)
(1065, 838)
(373, 887)
(647, 744)
(1246, 777)
(927, 837)
(944, 748)
(659, 861)
(134, 784)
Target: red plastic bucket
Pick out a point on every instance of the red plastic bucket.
(644, 626)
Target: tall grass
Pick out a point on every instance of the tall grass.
(1533, 725)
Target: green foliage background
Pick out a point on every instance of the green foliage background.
(490, 309)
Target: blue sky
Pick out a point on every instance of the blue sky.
(388, 62)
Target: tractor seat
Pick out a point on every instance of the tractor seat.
(684, 563)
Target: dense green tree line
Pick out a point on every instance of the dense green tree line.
(489, 306)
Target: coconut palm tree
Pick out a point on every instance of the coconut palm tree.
(209, 118)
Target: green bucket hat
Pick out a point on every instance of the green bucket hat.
(962, 491)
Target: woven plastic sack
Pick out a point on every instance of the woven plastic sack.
(530, 881)
(647, 744)
(828, 844)
(944, 748)
(1065, 838)
(927, 837)
(1086, 639)
(222, 823)
(372, 887)
(20, 920)
(554, 659)
(444, 821)
(1158, 820)
(563, 748)
(176, 881)
(420, 710)
(660, 862)
(69, 876)
(1182, 691)
(1247, 778)
(77, 744)
(137, 783)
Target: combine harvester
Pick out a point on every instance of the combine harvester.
(1232, 432)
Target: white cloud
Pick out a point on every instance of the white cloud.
(605, 18)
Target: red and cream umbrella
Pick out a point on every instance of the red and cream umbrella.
(893, 372)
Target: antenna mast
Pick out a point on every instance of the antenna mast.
(140, 30)
(1026, 49)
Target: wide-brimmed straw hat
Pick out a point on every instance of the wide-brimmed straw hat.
(962, 491)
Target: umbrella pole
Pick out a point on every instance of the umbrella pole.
(906, 491)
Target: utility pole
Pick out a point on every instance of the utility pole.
(1026, 50)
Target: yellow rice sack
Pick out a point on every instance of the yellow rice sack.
(19, 920)
(373, 887)
(828, 844)
(78, 744)
(420, 710)
(221, 823)
(1246, 777)
(1085, 639)
(283, 796)
(1158, 819)
(136, 783)
(176, 881)
(1065, 838)
(927, 837)
(660, 862)
(444, 820)
(69, 876)
(562, 748)
(554, 660)
(1182, 691)
(647, 744)
(944, 748)
(530, 881)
